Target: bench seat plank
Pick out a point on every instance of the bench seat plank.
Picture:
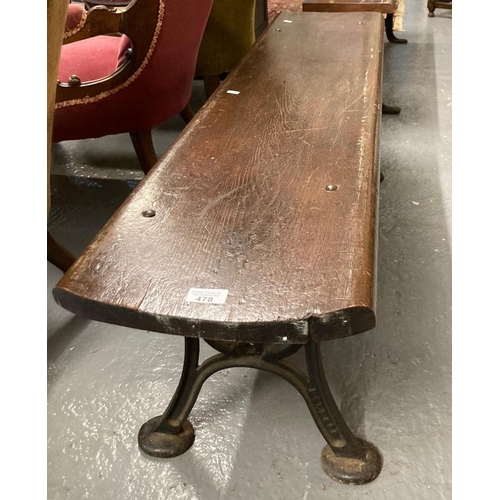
(382, 6)
(241, 204)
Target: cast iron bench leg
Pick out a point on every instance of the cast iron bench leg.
(389, 31)
(171, 434)
(345, 458)
(390, 110)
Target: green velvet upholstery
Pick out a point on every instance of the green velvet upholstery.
(228, 36)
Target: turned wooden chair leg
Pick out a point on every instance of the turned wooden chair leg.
(212, 83)
(187, 114)
(57, 255)
(144, 148)
(431, 8)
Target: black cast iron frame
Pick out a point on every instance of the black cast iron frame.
(345, 458)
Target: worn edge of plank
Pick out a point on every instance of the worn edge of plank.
(344, 322)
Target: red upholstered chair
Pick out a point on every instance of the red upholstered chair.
(128, 70)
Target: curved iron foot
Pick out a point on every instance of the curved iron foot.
(352, 470)
(390, 110)
(389, 30)
(162, 444)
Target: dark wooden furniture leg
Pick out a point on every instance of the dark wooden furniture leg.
(212, 83)
(432, 5)
(261, 17)
(58, 255)
(389, 30)
(431, 8)
(345, 458)
(144, 148)
(187, 114)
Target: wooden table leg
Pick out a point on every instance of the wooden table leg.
(57, 255)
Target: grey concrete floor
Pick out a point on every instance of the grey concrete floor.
(254, 436)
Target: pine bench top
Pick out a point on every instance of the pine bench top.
(241, 203)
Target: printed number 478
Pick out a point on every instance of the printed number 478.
(204, 299)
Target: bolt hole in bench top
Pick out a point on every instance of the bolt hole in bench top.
(257, 229)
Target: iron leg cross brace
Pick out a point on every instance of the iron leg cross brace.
(345, 458)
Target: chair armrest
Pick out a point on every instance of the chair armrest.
(101, 20)
(75, 18)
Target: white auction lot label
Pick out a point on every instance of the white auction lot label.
(207, 295)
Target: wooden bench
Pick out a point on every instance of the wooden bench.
(387, 7)
(257, 229)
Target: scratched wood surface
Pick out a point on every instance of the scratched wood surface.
(241, 203)
(382, 6)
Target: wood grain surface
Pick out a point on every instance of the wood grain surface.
(382, 6)
(241, 204)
